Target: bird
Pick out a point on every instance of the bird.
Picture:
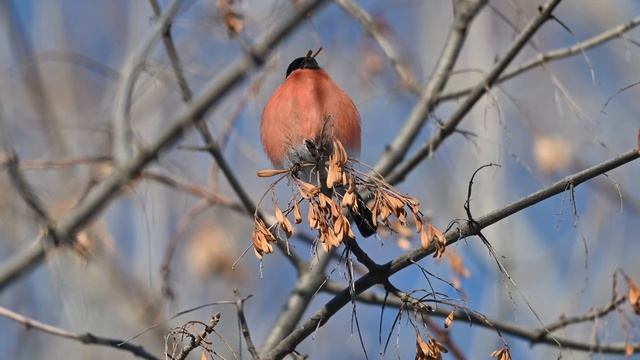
(303, 116)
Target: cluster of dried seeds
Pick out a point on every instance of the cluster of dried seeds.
(431, 350)
(501, 354)
(326, 207)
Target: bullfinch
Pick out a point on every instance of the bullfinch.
(301, 119)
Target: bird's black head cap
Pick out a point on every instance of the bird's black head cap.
(306, 62)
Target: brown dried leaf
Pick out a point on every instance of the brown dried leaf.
(375, 211)
(284, 222)
(307, 190)
(501, 354)
(328, 239)
(421, 348)
(261, 236)
(335, 209)
(339, 153)
(432, 350)
(628, 350)
(372, 62)
(457, 265)
(334, 175)
(403, 243)
(324, 200)
(233, 21)
(425, 239)
(297, 214)
(413, 203)
(449, 320)
(552, 153)
(271, 172)
(350, 233)
(441, 242)
(393, 202)
(418, 220)
(312, 218)
(338, 226)
(279, 215)
(349, 199)
(439, 235)
(634, 295)
(385, 212)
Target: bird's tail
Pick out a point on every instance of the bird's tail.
(363, 218)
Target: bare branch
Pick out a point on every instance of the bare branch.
(464, 12)
(23, 51)
(86, 338)
(462, 231)
(532, 335)
(193, 189)
(242, 321)
(307, 285)
(25, 190)
(104, 192)
(478, 91)
(122, 135)
(59, 164)
(199, 338)
(211, 145)
(553, 55)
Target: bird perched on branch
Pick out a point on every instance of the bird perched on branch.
(302, 119)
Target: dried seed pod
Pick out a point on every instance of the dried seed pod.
(307, 190)
(349, 199)
(297, 214)
(313, 218)
(284, 222)
(272, 172)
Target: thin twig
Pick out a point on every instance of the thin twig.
(369, 23)
(462, 231)
(196, 341)
(192, 189)
(28, 165)
(86, 338)
(19, 181)
(244, 327)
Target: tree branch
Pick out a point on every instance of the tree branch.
(462, 231)
(553, 55)
(478, 91)
(534, 336)
(86, 338)
(122, 133)
(104, 192)
(244, 327)
(211, 146)
(464, 12)
(308, 284)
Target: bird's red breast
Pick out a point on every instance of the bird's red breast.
(305, 106)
